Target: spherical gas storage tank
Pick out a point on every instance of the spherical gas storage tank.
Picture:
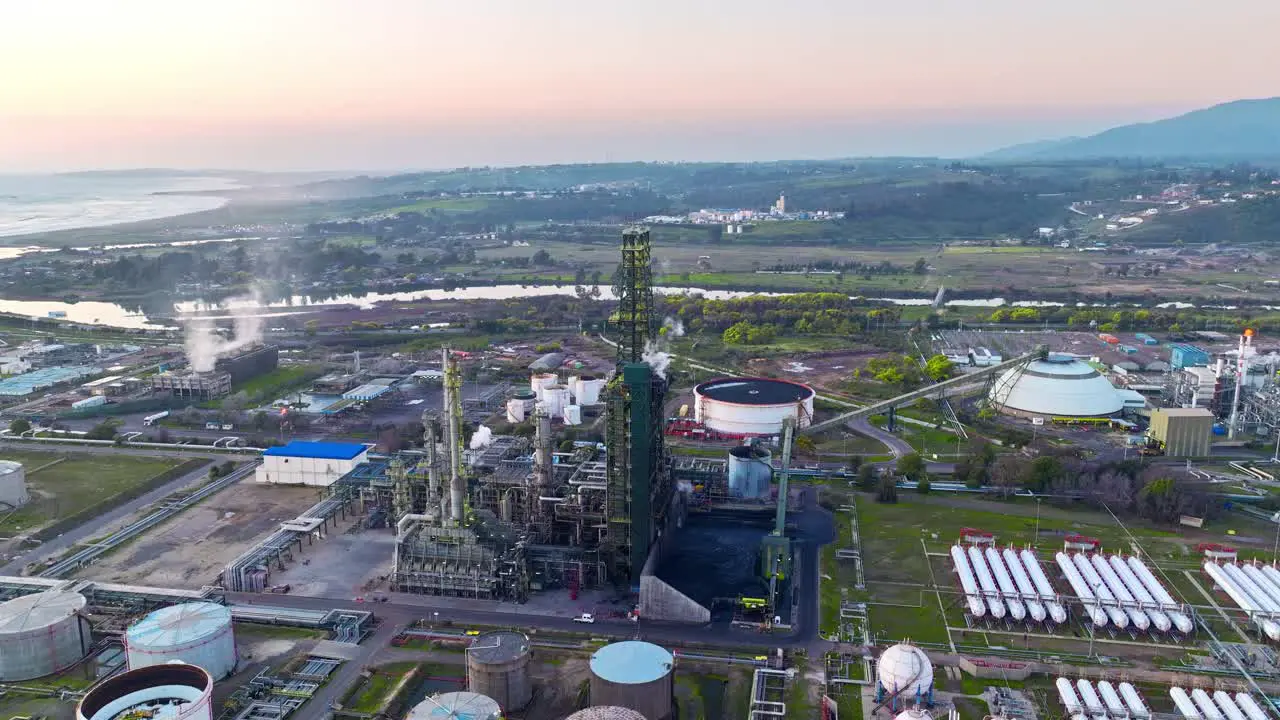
(751, 406)
(13, 484)
(905, 669)
(42, 634)
(456, 706)
(498, 666)
(1057, 386)
(606, 712)
(749, 472)
(634, 674)
(173, 691)
(198, 633)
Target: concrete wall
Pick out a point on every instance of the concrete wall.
(660, 601)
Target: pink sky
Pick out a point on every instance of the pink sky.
(427, 83)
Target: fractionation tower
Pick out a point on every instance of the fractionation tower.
(497, 517)
(639, 480)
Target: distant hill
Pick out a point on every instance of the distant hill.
(1239, 130)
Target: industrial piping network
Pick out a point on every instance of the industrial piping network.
(989, 592)
(1176, 616)
(1137, 617)
(1242, 599)
(1008, 592)
(1082, 589)
(88, 553)
(1026, 590)
(1145, 601)
(1057, 613)
(977, 608)
(1108, 601)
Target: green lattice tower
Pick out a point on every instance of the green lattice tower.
(634, 322)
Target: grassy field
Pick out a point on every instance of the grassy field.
(61, 484)
(374, 693)
(277, 382)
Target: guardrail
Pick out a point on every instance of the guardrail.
(87, 553)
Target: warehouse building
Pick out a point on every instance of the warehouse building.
(1182, 432)
(310, 463)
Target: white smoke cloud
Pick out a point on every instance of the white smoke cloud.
(655, 353)
(203, 343)
(481, 438)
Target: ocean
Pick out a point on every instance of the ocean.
(45, 203)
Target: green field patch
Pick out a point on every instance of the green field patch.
(62, 484)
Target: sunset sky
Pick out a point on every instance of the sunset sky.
(390, 84)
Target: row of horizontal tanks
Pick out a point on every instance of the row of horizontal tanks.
(630, 680)
(1083, 699)
(183, 647)
(1255, 589)
(1115, 590)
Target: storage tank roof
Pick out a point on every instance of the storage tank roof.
(179, 624)
(498, 647)
(631, 662)
(606, 712)
(754, 391)
(31, 612)
(459, 705)
(1058, 385)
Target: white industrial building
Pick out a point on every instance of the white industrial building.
(1061, 386)
(310, 463)
(13, 484)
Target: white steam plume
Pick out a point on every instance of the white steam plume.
(655, 351)
(481, 438)
(204, 345)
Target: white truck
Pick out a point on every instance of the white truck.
(153, 419)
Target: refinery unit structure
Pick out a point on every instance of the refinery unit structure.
(512, 515)
(244, 365)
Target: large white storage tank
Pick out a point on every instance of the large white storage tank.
(456, 706)
(752, 406)
(198, 633)
(42, 634)
(555, 398)
(539, 381)
(173, 691)
(13, 484)
(905, 669)
(1058, 386)
(588, 390)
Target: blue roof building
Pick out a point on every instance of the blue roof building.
(310, 463)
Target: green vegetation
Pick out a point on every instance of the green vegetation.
(272, 385)
(62, 484)
(374, 694)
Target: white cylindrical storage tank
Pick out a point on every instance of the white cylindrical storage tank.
(572, 383)
(555, 398)
(456, 706)
(749, 472)
(1250, 707)
(197, 633)
(528, 399)
(634, 674)
(905, 669)
(515, 411)
(1228, 706)
(752, 406)
(1137, 708)
(173, 691)
(606, 712)
(13, 484)
(1183, 702)
(42, 634)
(573, 415)
(1209, 710)
(589, 390)
(539, 381)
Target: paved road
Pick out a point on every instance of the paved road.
(92, 527)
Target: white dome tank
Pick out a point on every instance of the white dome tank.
(606, 712)
(198, 633)
(1060, 386)
(42, 634)
(913, 714)
(456, 706)
(905, 669)
(173, 691)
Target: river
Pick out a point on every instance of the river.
(113, 315)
